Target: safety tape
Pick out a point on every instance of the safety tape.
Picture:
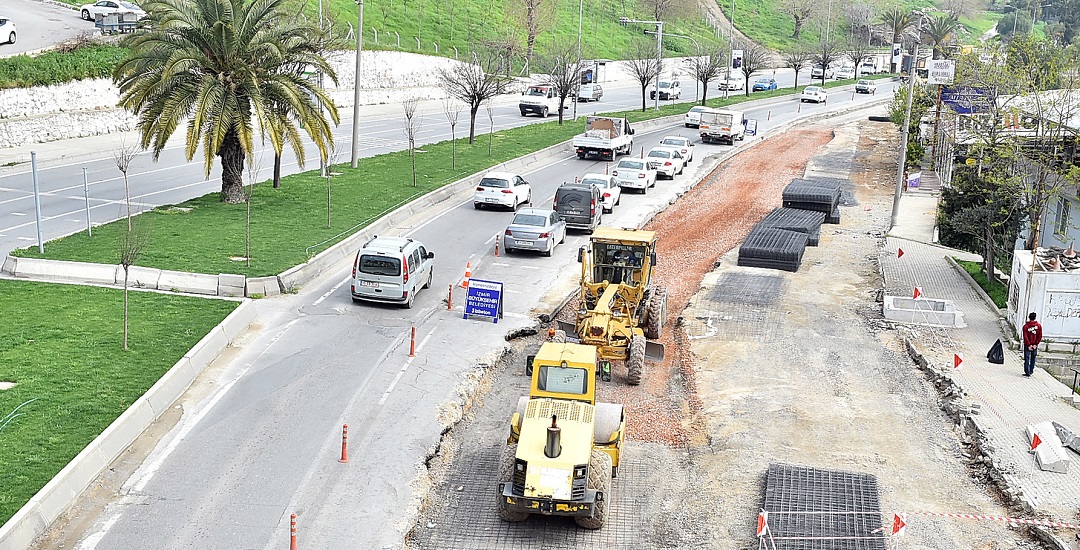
(1043, 522)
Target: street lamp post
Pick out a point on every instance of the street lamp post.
(697, 47)
(580, 7)
(904, 133)
(355, 157)
(659, 57)
(731, 48)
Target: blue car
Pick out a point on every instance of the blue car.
(762, 84)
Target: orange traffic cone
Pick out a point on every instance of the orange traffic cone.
(468, 274)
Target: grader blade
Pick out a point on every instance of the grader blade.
(654, 351)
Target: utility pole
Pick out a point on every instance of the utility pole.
(904, 135)
(355, 157)
(576, 98)
(731, 49)
(659, 57)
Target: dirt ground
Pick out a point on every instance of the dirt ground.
(762, 367)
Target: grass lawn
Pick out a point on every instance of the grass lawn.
(288, 224)
(61, 346)
(997, 291)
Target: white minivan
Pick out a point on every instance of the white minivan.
(391, 269)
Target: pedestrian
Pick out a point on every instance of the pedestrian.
(1032, 338)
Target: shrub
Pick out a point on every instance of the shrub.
(85, 60)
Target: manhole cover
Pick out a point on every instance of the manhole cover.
(816, 509)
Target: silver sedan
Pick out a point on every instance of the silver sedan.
(534, 229)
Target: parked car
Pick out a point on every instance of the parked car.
(502, 189)
(693, 117)
(763, 84)
(635, 174)
(733, 82)
(590, 92)
(847, 71)
(391, 269)
(683, 145)
(580, 205)
(608, 185)
(537, 229)
(866, 87)
(669, 162)
(816, 94)
(106, 7)
(7, 30)
(669, 89)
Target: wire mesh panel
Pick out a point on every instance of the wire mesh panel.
(795, 219)
(817, 509)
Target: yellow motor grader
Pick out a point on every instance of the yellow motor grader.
(621, 309)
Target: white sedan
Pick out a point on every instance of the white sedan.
(816, 94)
(635, 174)
(502, 189)
(106, 7)
(610, 191)
(668, 162)
(692, 118)
(732, 83)
(7, 30)
(682, 144)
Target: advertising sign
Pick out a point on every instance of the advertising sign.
(966, 100)
(913, 180)
(484, 299)
(736, 59)
(751, 127)
(941, 71)
(897, 53)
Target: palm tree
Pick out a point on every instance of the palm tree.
(941, 31)
(899, 21)
(222, 66)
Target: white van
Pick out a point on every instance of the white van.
(391, 269)
(541, 100)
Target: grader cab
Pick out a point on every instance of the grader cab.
(621, 308)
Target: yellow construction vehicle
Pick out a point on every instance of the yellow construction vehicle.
(621, 308)
(563, 448)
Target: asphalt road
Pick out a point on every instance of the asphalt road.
(172, 179)
(261, 431)
(40, 25)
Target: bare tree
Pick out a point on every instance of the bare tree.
(859, 15)
(561, 70)
(491, 125)
(252, 178)
(662, 10)
(856, 52)
(802, 11)
(332, 153)
(123, 156)
(473, 85)
(133, 242)
(413, 121)
(452, 113)
(755, 59)
(706, 65)
(825, 55)
(797, 59)
(534, 16)
(643, 66)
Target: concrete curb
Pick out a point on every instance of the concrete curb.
(60, 493)
(975, 286)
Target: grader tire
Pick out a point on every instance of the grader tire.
(560, 337)
(506, 475)
(656, 313)
(635, 364)
(599, 480)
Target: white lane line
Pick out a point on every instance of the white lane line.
(499, 264)
(331, 291)
(404, 367)
(491, 240)
(19, 214)
(530, 267)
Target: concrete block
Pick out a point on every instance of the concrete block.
(237, 321)
(231, 285)
(123, 431)
(9, 265)
(55, 270)
(264, 286)
(194, 283)
(142, 277)
(170, 387)
(1060, 346)
(298, 275)
(923, 311)
(207, 349)
(23, 527)
(1050, 454)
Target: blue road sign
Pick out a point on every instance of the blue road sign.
(966, 100)
(484, 299)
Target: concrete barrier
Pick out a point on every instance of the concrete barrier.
(64, 271)
(193, 283)
(1050, 453)
(142, 277)
(263, 286)
(59, 494)
(922, 311)
(231, 285)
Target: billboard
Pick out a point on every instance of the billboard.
(941, 71)
(967, 99)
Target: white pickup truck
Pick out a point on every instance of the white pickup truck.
(604, 137)
(541, 100)
(722, 125)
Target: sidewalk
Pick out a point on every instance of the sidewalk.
(1009, 402)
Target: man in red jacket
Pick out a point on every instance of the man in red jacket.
(1032, 338)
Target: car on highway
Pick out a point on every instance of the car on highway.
(590, 92)
(692, 118)
(7, 31)
(731, 83)
(764, 84)
(106, 7)
(816, 94)
(683, 145)
(536, 229)
(580, 205)
(502, 189)
(608, 185)
(847, 71)
(669, 89)
(668, 161)
(391, 269)
(866, 87)
(819, 72)
(635, 174)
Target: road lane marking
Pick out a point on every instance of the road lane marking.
(530, 267)
(404, 367)
(331, 291)
(499, 264)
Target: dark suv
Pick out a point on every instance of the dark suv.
(580, 205)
